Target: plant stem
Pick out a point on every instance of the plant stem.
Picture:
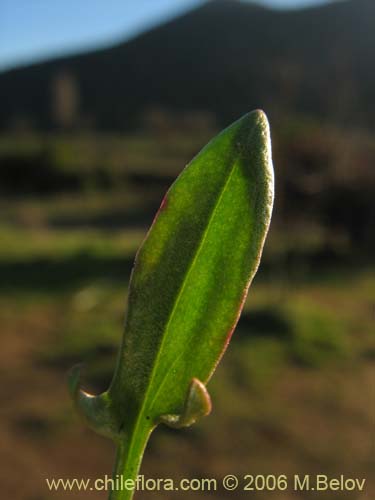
(128, 461)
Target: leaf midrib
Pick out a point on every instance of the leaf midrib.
(165, 336)
(182, 289)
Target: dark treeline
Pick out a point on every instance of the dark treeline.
(225, 57)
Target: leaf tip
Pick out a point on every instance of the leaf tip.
(95, 410)
(197, 405)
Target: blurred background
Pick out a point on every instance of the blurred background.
(102, 105)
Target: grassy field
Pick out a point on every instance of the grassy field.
(293, 395)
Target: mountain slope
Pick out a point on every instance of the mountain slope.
(225, 57)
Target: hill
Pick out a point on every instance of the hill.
(225, 58)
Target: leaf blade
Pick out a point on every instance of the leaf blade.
(190, 281)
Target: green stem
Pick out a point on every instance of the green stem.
(128, 462)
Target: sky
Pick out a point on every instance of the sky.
(32, 30)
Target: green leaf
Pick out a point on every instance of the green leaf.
(187, 288)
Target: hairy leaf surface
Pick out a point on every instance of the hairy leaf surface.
(193, 270)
